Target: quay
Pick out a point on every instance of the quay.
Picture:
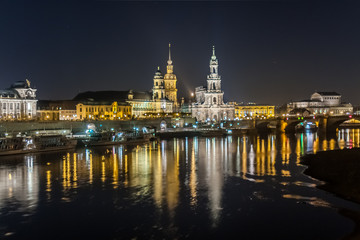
(188, 126)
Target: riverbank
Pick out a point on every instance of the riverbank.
(340, 170)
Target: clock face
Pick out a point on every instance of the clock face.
(28, 93)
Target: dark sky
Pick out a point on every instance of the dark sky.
(268, 51)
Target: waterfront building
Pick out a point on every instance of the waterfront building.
(48, 115)
(326, 103)
(18, 102)
(103, 111)
(55, 110)
(170, 81)
(113, 105)
(209, 104)
(252, 110)
(142, 104)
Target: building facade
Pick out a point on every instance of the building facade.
(326, 103)
(254, 111)
(103, 111)
(55, 110)
(18, 102)
(210, 105)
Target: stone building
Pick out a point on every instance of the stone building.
(209, 104)
(252, 110)
(104, 105)
(55, 110)
(18, 102)
(327, 103)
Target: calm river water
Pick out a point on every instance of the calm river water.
(250, 187)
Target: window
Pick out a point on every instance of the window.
(80, 109)
(214, 100)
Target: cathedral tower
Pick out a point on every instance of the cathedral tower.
(170, 81)
(214, 81)
(209, 105)
(158, 89)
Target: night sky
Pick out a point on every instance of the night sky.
(269, 51)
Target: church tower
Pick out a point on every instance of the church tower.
(158, 89)
(214, 81)
(170, 81)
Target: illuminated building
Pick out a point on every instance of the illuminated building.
(254, 111)
(209, 105)
(141, 103)
(48, 115)
(327, 103)
(103, 111)
(170, 81)
(160, 101)
(18, 102)
(50, 110)
(106, 104)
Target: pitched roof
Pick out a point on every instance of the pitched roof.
(56, 104)
(111, 96)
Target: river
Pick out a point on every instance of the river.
(248, 187)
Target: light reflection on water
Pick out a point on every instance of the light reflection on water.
(191, 173)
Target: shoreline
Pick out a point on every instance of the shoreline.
(340, 170)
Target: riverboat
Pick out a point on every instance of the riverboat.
(306, 127)
(112, 138)
(35, 144)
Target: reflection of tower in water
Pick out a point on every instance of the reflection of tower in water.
(214, 176)
(20, 184)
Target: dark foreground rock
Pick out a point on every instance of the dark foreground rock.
(340, 170)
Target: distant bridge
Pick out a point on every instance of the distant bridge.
(288, 124)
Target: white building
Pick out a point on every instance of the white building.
(18, 102)
(209, 105)
(328, 103)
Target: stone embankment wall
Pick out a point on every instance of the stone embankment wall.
(78, 126)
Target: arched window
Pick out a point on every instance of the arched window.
(214, 86)
(214, 100)
(157, 84)
(214, 70)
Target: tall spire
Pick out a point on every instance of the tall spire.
(169, 61)
(169, 67)
(213, 57)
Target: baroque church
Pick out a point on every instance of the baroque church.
(209, 104)
(164, 90)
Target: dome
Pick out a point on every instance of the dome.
(158, 74)
(20, 84)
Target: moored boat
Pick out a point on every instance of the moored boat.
(23, 145)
